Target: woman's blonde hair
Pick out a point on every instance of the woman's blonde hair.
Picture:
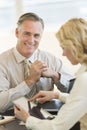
(73, 35)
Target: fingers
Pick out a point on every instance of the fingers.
(41, 100)
(16, 110)
(38, 100)
(35, 97)
(36, 69)
(39, 65)
(40, 97)
(20, 113)
(17, 107)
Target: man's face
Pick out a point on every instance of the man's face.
(29, 35)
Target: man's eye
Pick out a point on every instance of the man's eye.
(37, 36)
(26, 33)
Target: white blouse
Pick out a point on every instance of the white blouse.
(74, 110)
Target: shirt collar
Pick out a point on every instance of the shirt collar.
(20, 58)
(33, 57)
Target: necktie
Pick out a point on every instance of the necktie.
(27, 65)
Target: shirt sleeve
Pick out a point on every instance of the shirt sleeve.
(63, 96)
(38, 124)
(59, 67)
(70, 113)
(11, 94)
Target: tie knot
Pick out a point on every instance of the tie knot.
(28, 62)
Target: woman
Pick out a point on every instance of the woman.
(73, 40)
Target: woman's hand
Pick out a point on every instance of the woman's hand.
(20, 113)
(49, 73)
(44, 96)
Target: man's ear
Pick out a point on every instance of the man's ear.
(16, 32)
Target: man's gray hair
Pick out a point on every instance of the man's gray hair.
(30, 16)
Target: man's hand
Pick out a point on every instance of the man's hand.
(36, 70)
(48, 73)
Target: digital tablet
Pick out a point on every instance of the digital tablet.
(52, 106)
(23, 102)
(33, 108)
(37, 111)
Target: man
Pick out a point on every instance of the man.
(45, 69)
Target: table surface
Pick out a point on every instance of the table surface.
(14, 125)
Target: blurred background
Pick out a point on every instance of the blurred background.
(54, 13)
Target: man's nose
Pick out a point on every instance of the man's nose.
(31, 39)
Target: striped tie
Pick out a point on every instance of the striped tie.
(27, 65)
